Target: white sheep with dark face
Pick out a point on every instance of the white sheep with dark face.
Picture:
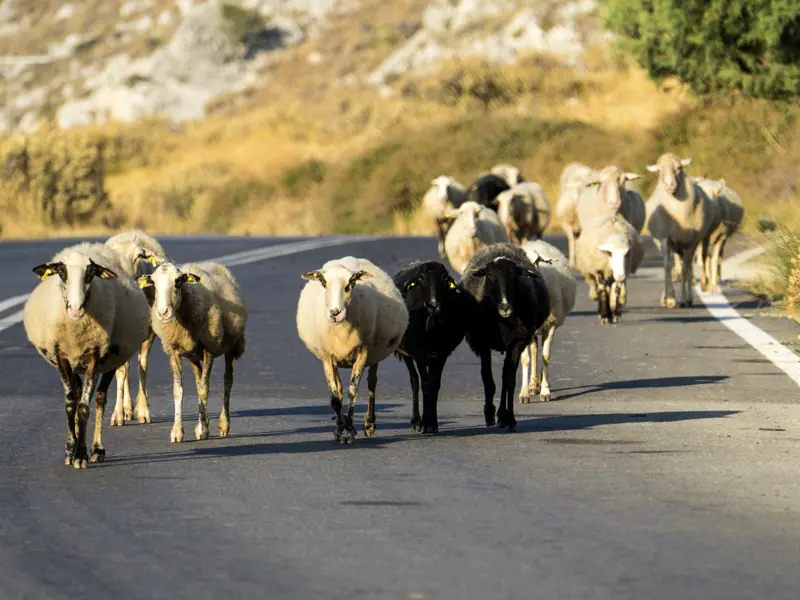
(444, 195)
(86, 317)
(351, 315)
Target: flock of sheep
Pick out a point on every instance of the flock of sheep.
(100, 303)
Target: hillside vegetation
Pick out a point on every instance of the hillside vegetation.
(306, 154)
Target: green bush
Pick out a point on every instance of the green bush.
(752, 46)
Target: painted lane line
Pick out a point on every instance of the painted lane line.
(742, 257)
(229, 260)
(766, 345)
(12, 302)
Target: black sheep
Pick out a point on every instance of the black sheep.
(486, 188)
(438, 315)
(512, 303)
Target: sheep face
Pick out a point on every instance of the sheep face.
(501, 277)
(76, 273)
(509, 173)
(167, 280)
(428, 289)
(611, 185)
(617, 252)
(338, 283)
(670, 171)
(504, 201)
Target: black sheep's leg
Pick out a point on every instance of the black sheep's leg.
(488, 387)
(369, 416)
(430, 396)
(602, 302)
(416, 420)
(505, 415)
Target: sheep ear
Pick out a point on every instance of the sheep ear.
(605, 248)
(149, 257)
(187, 278)
(631, 176)
(104, 273)
(685, 162)
(144, 281)
(592, 183)
(45, 270)
(358, 276)
(479, 272)
(312, 275)
(653, 168)
(721, 183)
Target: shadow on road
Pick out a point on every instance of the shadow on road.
(635, 384)
(575, 422)
(313, 410)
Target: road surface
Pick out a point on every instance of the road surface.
(666, 467)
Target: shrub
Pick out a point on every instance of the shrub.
(751, 46)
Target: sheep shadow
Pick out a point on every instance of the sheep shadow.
(580, 422)
(315, 410)
(636, 384)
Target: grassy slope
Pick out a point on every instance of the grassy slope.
(306, 155)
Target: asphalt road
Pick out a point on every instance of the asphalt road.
(666, 467)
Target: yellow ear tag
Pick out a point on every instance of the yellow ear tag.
(191, 279)
(452, 285)
(47, 274)
(153, 260)
(143, 283)
(410, 284)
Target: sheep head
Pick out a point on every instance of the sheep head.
(670, 171)
(617, 250)
(611, 185)
(76, 271)
(501, 278)
(168, 281)
(338, 283)
(428, 286)
(508, 172)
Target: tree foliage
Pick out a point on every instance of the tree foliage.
(714, 45)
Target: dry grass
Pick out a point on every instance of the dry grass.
(308, 154)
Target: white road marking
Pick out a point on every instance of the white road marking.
(229, 260)
(766, 345)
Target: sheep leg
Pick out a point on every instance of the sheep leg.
(688, 271)
(571, 246)
(615, 303)
(176, 435)
(118, 416)
(720, 252)
(142, 408)
(81, 460)
(715, 267)
(369, 416)
(349, 433)
(68, 381)
(488, 387)
(225, 414)
(604, 303)
(335, 387)
(505, 415)
(98, 450)
(441, 231)
(668, 297)
(592, 283)
(416, 420)
(703, 264)
(546, 347)
(525, 362)
(202, 374)
(431, 383)
(127, 403)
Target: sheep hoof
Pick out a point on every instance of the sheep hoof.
(512, 427)
(176, 435)
(69, 456)
(117, 420)
(603, 320)
(615, 319)
(524, 398)
(489, 414)
(416, 424)
(129, 413)
(98, 455)
(348, 436)
(201, 431)
(143, 415)
(430, 428)
(592, 294)
(224, 428)
(80, 462)
(544, 397)
(369, 429)
(670, 302)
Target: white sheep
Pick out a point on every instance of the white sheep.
(730, 211)
(141, 253)
(198, 313)
(351, 315)
(561, 288)
(444, 195)
(473, 227)
(679, 215)
(608, 251)
(87, 316)
(524, 211)
(508, 172)
(571, 187)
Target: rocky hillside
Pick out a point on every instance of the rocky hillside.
(96, 60)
